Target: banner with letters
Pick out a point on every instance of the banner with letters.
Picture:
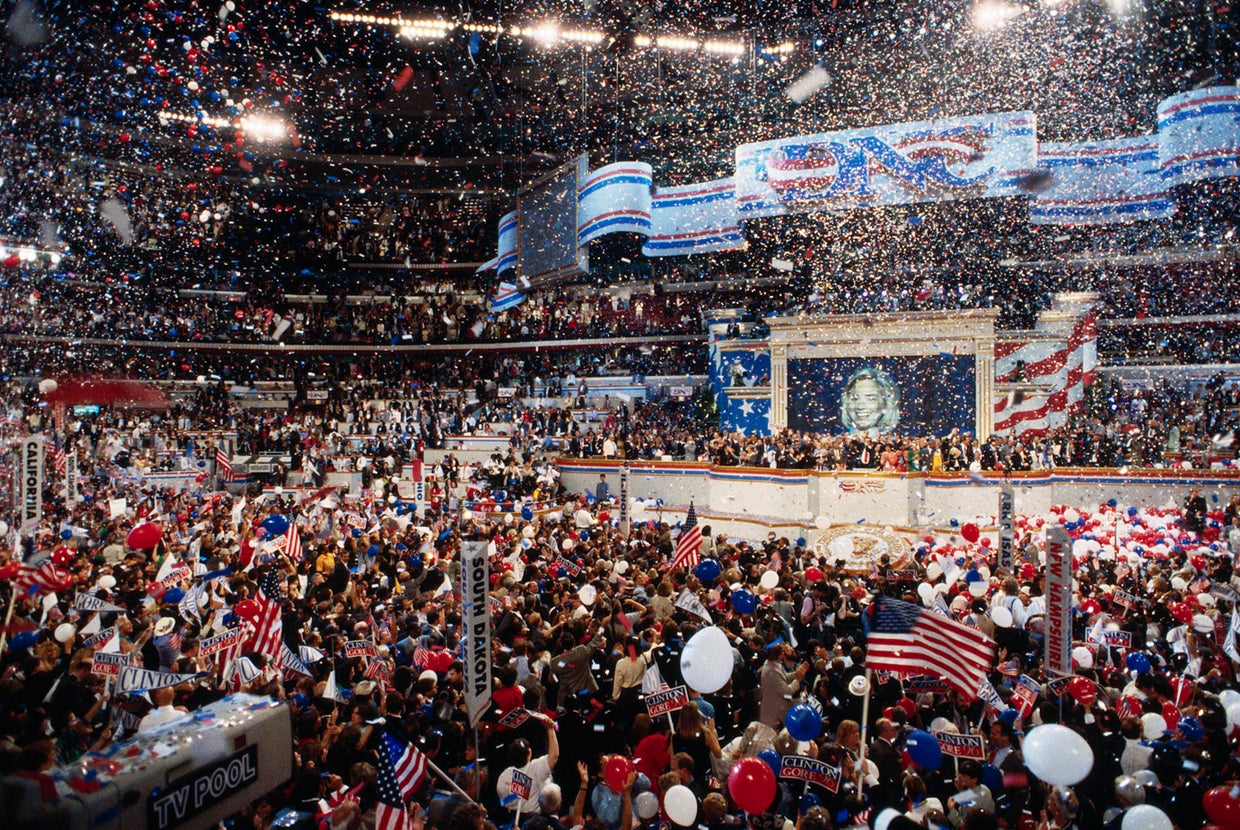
(1058, 601)
(86, 602)
(134, 679)
(980, 156)
(476, 625)
(30, 483)
(811, 771)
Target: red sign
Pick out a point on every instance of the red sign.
(108, 663)
(661, 703)
(811, 771)
(360, 648)
(961, 746)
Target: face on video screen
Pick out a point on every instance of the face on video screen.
(870, 402)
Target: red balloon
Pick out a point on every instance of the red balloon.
(616, 773)
(986, 542)
(908, 705)
(1083, 691)
(814, 574)
(62, 556)
(752, 784)
(1181, 612)
(1222, 805)
(1170, 714)
(247, 609)
(144, 536)
(156, 590)
(970, 532)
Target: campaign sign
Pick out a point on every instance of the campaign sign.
(1026, 690)
(811, 771)
(102, 637)
(514, 718)
(1129, 601)
(660, 703)
(927, 684)
(175, 575)
(521, 784)
(961, 746)
(360, 648)
(570, 567)
(216, 644)
(1058, 687)
(1114, 639)
(173, 805)
(108, 663)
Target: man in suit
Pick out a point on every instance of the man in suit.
(889, 792)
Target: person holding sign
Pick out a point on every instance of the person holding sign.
(525, 778)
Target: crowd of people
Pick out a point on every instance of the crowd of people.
(584, 614)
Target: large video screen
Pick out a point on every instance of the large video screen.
(918, 395)
(547, 226)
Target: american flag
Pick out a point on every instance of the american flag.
(376, 669)
(269, 624)
(905, 638)
(390, 813)
(421, 654)
(292, 544)
(223, 465)
(44, 577)
(408, 764)
(59, 462)
(689, 545)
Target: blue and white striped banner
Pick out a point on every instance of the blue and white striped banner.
(694, 219)
(1199, 134)
(1101, 182)
(614, 199)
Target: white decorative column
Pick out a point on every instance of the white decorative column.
(779, 387)
(984, 363)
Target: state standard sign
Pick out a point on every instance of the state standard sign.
(476, 621)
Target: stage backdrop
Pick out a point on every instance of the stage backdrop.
(934, 394)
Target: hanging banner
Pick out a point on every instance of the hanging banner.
(71, 478)
(1058, 601)
(625, 522)
(30, 483)
(1100, 183)
(1007, 526)
(476, 623)
(86, 602)
(614, 199)
(894, 164)
(694, 219)
(1197, 135)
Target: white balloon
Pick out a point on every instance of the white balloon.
(1202, 624)
(1002, 616)
(769, 580)
(681, 805)
(65, 632)
(926, 591)
(638, 507)
(4, 528)
(933, 571)
(47, 386)
(107, 582)
(1058, 755)
(622, 567)
(706, 662)
(1145, 817)
(1233, 715)
(1228, 696)
(822, 523)
(587, 594)
(979, 588)
(1084, 657)
(507, 518)
(1153, 725)
(567, 544)
(943, 725)
(528, 531)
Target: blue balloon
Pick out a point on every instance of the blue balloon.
(924, 750)
(527, 513)
(276, 524)
(803, 722)
(373, 550)
(1009, 716)
(743, 601)
(1132, 511)
(415, 562)
(801, 542)
(992, 778)
(584, 535)
(772, 759)
(1191, 729)
(809, 801)
(24, 640)
(708, 570)
(66, 534)
(174, 595)
(973, 576)
(1138, 662)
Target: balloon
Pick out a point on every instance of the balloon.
(681, 805)
(1129, 791)
(107, 582)
(927, 593)
(616, 773)
(1083, 657)
(1145, 817)
(47, 386)
(65, 632)
(1180, 612)
(276, 524)
(23, 640)
(744, 601)
(708, 570)
(1001, 616)
(588, 594)
(1083, 690)
(924, 749)
(1222, 805)
(1171, 715)
(822, 523)
(1191, 729)
(814, 574)
(992, 777)
(646, 805)
(527, 513)
(1233, 715)
(174, 596)
(1152, 726)
(752, 785)
(706, 662)
(970, 532)
(772, 759)
(1202, 624)
(803, 722)
(144, 536)
(808, 802)
(248, 609)
(1139, 662)
(979, 589)
(769, 580)
(1058, 755)
(1228, 696)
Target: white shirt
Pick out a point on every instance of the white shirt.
(158, 717)
(539, 771)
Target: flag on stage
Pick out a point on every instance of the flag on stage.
(390, 813)
(223, 465)
(689, 546)
(905, 638)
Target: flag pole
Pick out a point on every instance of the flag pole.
(443, 776)
(865, 728)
